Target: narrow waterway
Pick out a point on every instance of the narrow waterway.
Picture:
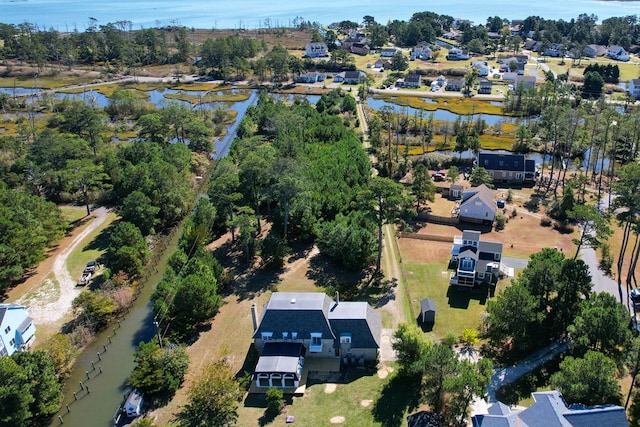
(105, 366)
(108, 361)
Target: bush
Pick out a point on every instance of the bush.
(514, 213)
(451, 339)
(275, 400)
(500, 222)
(545, 222)
(563, 227)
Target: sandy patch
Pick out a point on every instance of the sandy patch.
(384, 372)
(366, 403)
(329, 388)
(58, 300)
(337, 420)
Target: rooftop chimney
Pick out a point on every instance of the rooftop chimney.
(337, 297)
(254, 316)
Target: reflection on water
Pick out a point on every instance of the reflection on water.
(439, 114)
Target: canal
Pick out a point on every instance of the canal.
(98, 381)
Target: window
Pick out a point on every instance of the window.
(267, 336)
(276, 380)
(263, 380)
(289, 380)
(285, 335)
(12, 342)
(316, 342)
(496, 257)
(504, 174)
(294, 335)
(7, 329)
(345, 338)
(500, 163)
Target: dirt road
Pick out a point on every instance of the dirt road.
(48, 300)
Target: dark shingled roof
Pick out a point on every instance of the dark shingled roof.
(502, 162)
(550, 410)
(423, 419)
(360, 320)
(301, 312)
(307, 312)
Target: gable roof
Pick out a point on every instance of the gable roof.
(550, 410)
(301, 312)
(6, 307)
(502, 162)
(412, 78)
(360, 320)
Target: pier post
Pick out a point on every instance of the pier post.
(60, 418)
(68, 408)
(81, 386)
(87, 374)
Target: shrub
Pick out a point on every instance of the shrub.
(451, 339)
(563, 227)
(500, 222)
(514, 213)
(510, 196)
(275, 400)
(606, 260)
(545, 222)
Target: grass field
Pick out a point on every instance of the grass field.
(93, 248)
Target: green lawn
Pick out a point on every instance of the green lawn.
(363, 400)
(456, 310)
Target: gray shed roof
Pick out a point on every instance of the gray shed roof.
(277, 364)
(427, 304)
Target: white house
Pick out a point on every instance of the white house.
(634, 88)
(482, 67)
(456, 54)
(422, 51)
(389, 52)
(17, 331)
(316, 50)
(618, 53)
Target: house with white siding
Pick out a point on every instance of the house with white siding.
(17, 330)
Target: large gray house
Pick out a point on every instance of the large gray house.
(474, 260)
(296, 327)
(508, 168)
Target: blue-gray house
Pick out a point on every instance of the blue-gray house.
(17, 331)
(508, 168)
(550, 410)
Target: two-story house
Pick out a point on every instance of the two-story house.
(297, 327)
(316, 50)
(456, 54)
(508, 168)
(634, 88)
(474, 260)
(422, 51)
(17, 331)
(617, 53)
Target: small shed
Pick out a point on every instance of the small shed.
(428, 310)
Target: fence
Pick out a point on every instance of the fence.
(404, 234)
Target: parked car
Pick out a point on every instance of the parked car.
(500, 203)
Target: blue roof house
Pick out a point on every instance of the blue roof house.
(550, 410)
(17, 331)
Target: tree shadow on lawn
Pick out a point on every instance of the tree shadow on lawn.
(399, 395)
(459, 298)
(248, 279)
(101, 241)
(325, 273)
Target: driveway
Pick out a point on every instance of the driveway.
(516, 263)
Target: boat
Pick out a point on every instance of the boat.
(130, 409)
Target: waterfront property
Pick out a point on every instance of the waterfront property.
(550, 409)
(17, 331)
(474, 260)
(508, 168)
(303, 331)
(634, 88)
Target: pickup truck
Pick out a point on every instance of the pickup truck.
(88, 272)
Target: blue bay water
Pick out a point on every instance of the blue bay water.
(67, 15)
